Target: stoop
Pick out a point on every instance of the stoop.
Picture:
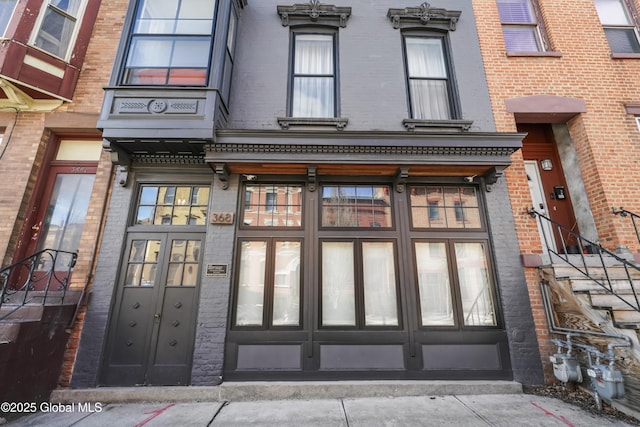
(304, 390)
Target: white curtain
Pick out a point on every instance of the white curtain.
(427, 78)
(475, 289)
(433, 284)
(338, 284)
(313, 81)
(380, 303)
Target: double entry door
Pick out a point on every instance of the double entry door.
(153, 321)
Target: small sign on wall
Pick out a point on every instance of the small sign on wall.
(221, 218)
(217, 270)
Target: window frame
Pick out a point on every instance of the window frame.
(283, 183)
(123, 78)
(77, 23)
(303, 31)
(631, 14)
(371, 184)
(540, 31)
(452, 92)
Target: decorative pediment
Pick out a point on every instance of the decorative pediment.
(424, 16)
(314, 12)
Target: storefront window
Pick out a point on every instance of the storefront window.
(172, 205)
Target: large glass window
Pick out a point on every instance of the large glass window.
(58, 26)
(268, 290)
(520, 26)
(6, 10)
(272, 205)
(361, 206)
(170, 43)
(619, 26)
(428, 79)
(359, 285)
(444, 207)
(172, 205)
(313, 91)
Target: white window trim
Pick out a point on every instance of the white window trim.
(74, 35)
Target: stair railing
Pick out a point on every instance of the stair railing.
(34, 277)
(635, 219)
(586, 245)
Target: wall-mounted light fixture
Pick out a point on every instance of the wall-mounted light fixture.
(546, 164)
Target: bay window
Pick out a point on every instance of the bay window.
(170, 43)
(619, 26)
(58, 26)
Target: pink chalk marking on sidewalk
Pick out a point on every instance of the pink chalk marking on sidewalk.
(561, 418)
(154, 414)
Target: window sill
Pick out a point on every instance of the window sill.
(534, 54)
(437, 125)
(625, 55)
(338, 122)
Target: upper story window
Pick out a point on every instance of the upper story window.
(428, 78)
(172, 205)
(313, 79)
(59, 22)
(6, 10)
(170, 43)
(619, 25)
(521, 25)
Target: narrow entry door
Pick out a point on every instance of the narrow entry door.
(153, 323)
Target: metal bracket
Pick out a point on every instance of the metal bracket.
(401, 179)
(222, 171)
(491, 177)
(312, 172)
(123, 171)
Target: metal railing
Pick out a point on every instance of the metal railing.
(31, 279)
(635, 219)
(579, 262)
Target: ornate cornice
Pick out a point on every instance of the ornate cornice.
(424, 16)
(314, 12)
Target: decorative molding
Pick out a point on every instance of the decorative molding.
(424, 16)
(222, 172)
(491, 177)
(632, 108)
(19, 100)
(155, 106)
(312, 172)
(314, 12)
(338, 122)
(401, 179)
(437, 125)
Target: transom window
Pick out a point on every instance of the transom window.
(619, 26)
(444, 207)
(6, 10)
(170, 43)
(272, 205)
(58, 26)
(428, 78)
(172, 205)
(313, 79)
(362, 206)
(520, 26)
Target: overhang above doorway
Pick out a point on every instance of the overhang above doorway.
(545, 108)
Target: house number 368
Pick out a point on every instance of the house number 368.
(221, 218)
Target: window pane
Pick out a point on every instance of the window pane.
(272, 205)
(433, 284)
(313, 97)
(513, 11)
(612, 12)
(6, 10)
(380, 305)
(161, 205)
(622, 40)
(521, 39)
(286, 284)
(251, 283)
(429, 99)
(356, 206)
(475, 288)
(313, 54)
(338, 281)
(55, 33)
(425, 57)
(192, 52)
(149, 52)
(71, 7)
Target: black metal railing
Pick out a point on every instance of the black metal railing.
(635, 219)
(578, 260)
(32, 279)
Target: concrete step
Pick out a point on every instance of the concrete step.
(299, 390)
(614, 302)
(614, 273)
(627, 319)
(587, 285)
(27, 313)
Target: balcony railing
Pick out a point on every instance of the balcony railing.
(32, 280)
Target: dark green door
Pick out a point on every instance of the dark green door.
(152, 328)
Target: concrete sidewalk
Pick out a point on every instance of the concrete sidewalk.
(450, 410)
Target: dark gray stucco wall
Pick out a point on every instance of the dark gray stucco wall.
(512, 284)
(372, 87)
(208, 354)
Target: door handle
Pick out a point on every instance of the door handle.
(156, 316)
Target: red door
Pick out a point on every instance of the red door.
(539, 145)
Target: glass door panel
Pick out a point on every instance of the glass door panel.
(250, 302)
(380, 301)
(475, 289)
(286, 284)
(433, 284)
(338, 284)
